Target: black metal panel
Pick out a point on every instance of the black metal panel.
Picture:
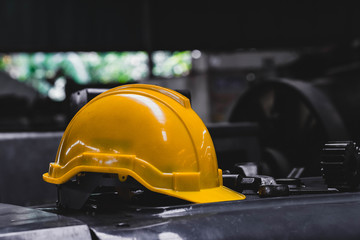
(24, 158)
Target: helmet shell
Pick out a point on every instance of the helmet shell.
(147, 132)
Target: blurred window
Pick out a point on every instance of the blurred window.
(171, 64)
(48, 72)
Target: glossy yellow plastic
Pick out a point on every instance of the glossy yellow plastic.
(149, 133)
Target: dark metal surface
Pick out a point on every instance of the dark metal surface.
(24, 158)
(317, 216)
(330, 215)
(25, 223)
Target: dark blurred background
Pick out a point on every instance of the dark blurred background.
(239, 60)
(215, 49)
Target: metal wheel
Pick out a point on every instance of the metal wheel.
(295, 119)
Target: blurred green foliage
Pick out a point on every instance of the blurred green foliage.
(47, 72)
(167, 64)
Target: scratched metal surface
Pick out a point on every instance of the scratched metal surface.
(26, 223)
(313, 216)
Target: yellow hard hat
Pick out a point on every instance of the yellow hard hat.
(149, 133)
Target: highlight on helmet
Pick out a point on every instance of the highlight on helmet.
(149, 133)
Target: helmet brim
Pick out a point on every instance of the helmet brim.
(217, 194)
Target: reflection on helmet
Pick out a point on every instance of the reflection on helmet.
(149, 133)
